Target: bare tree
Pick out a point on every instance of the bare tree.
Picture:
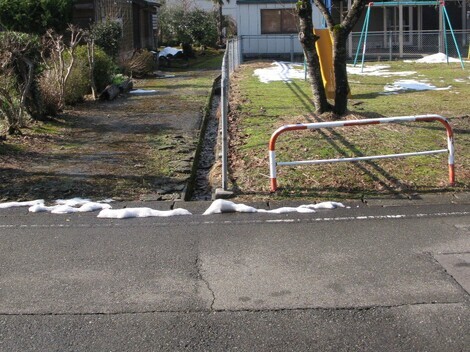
(220, 20)
(307, 39)
(340, 32)
(90, 44)
(59, 62)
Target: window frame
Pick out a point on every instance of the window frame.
(283, 12)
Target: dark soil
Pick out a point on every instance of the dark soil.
(135, 147)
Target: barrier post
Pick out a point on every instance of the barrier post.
(418, 118)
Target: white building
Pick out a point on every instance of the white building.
(269, 27)
(266, 27)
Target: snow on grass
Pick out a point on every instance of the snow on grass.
(224, 206)
(140, 213)
(377, 70)
(286, 72)
(410, 84)
(281, 71)
(438, 58)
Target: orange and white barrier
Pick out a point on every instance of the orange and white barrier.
(418, 118)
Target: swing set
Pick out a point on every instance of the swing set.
(445, 22)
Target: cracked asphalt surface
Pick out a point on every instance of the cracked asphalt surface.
(376, 277)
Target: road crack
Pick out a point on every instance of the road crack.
(201, 278)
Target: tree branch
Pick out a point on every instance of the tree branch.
(320, 4)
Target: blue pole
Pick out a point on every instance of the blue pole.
(445, 34)
(365, 40)
(362, 35)
(444, 11)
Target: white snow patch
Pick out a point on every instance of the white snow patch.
(438, 58)
(73, 202)
(282, 71)
(140, 213)
(143, 91)
(224, 206)
(377, 70)
(410, 84)
(21, 204)
(76, 205)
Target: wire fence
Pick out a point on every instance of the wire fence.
(388, 45)
(411, 44)
(231, 61)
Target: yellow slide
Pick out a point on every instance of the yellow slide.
(324, 47)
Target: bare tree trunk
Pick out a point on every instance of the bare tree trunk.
(220, 25)
(340, 57)
(308, 39)
(91, 65)
(340, 34)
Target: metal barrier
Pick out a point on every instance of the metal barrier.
(419, 118)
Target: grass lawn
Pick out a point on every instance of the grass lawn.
(257, 109)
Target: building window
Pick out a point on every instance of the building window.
(278, 21)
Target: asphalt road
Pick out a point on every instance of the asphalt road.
(376, 277)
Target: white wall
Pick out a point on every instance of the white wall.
(249, 17)
(249, 24)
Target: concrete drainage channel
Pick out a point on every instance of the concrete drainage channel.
(199, 184)
(202, 186)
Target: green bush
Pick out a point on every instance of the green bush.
(178, 25)
(19, 58)
(34, 16)
(203, 27)
(79, 82)
(107, 36)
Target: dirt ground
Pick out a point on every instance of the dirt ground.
(135, 147)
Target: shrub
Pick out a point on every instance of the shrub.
(107, 36)
(203, 27)
(34, 16)
(19, 57)
(178, 25)
(48, 86)
(78, 84)
(105, 68)
(141, 64)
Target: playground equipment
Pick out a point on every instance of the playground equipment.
(445, 22)
(319, 125)
(324, 47)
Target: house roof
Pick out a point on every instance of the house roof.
(266, 1)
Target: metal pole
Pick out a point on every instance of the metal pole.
(453, 36)
(400, 30)
(240, 49)
(365, 40)
(364, 25)
(291, 48)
